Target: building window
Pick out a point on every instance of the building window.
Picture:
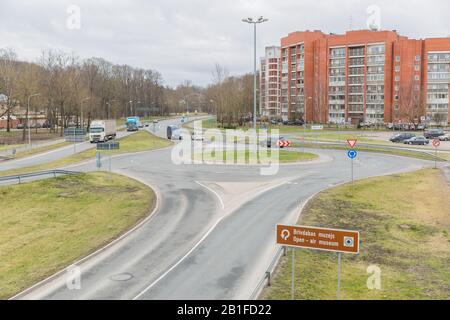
(397, 68)
(416, 77)
(397, 78)
(397, 88)
(417, 67)
(418, 57)
(397, 58)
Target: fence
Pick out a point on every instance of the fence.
(21, 177)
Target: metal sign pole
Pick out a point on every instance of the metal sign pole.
(74, 141)
(435, 158)
(339, 277)
(293, 275)
(352, 174)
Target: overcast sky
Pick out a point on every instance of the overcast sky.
(183, 39)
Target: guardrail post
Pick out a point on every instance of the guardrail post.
(268, 278)
(54, 173)
(19, 178)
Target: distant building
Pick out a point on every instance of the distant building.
(269, 84)
(363, 76)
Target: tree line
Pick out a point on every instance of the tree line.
(69, 88)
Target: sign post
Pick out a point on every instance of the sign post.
(113, 145)
(75, 135)
(436, 144)
(325, 239)
(352, 155)
(293, 275)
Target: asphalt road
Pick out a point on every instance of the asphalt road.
(213, 233)
(56, 154)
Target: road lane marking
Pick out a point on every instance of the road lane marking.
(179, 261)
(214, 192)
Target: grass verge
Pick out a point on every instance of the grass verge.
(140, 141)
(376, 149)
(404, 222)
(62, 219)
(248, 157)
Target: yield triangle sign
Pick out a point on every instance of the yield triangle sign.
(352, 142)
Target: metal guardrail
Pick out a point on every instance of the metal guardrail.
(20, 177)
(268, 274)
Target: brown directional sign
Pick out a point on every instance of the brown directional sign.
(318, 238)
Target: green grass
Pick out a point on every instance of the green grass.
(249, 157)
(140, 141)
(61, 220)
(404, 222)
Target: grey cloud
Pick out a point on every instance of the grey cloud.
(184, 39)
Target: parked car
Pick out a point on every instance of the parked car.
(402, 137)
(445, 137)
(422, 126)
(434, 133)
(146, 124)
(298, 122)
(417, 141)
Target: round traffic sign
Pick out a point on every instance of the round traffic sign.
(436, 143)
(352, 154)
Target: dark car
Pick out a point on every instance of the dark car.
(434, 133)
(402, 137)
(417, 141)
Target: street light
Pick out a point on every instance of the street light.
(254, 22)
(28, 111)
(81, 110)
(108, 103)
(131, 107)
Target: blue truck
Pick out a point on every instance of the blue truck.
(133, 124)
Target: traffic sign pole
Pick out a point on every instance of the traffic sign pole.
(293, 275)
(339, 277)
(343, 241)
(436, 143)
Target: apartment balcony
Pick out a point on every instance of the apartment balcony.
(440, 101)
(337, 84)
(336, 101)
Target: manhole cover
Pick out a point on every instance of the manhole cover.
(121, 277)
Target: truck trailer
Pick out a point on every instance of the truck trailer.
(102, 130)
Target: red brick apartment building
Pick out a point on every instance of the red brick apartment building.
(361, 76)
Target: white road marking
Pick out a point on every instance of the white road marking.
(180, 261)
(214, 192)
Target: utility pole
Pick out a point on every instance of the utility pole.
(28, 111)
(254, 22)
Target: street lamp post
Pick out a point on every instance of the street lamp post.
(254, 22)
(81, 111)
(108, 103)
(28, 112)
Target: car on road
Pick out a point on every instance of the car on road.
(402, 137)
(434, 133)
(417, 141)
(146, 124)
(445, 137)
